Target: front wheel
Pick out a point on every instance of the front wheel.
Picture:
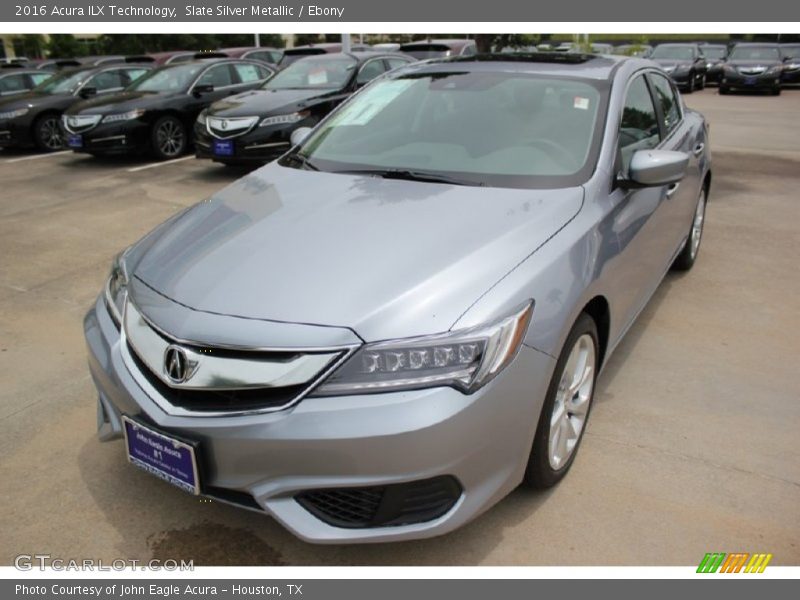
(685, 260)
(47, 134)
(690, 85)
(168, 138)
(566, 407)
(703, 82)
(724, 90)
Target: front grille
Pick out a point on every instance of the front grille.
(383, 506)
(223, 128)
(210, 400)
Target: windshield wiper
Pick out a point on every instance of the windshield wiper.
(411, 175)
(303, 161)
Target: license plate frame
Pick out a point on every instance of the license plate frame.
(750, 80)
(222, 148)
(75, 140)
(176, 462)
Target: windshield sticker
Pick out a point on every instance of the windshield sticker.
(581, 103)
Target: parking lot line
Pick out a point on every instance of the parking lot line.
(37, 156)
(159, 164)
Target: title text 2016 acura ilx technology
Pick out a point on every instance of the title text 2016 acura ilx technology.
(381, 334)
(157, 112)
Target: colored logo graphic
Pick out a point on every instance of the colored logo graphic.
(738, 562)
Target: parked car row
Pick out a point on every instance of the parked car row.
(748, 66)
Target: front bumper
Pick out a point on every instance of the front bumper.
(265, 461)
(261, 144)
(791, 76)
(763, 81)
(681, 78)
(112, 138)
(15, 133)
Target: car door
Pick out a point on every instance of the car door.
(680, 135)
(632, 233)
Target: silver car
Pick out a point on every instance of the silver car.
(381, 334)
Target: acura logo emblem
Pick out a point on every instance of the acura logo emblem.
(223, 124)
(177, 365)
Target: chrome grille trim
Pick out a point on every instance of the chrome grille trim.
(292, 372)
(80, 123)
(224, 128)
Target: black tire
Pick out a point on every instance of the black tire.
(688, 254)
(776, 91)
(539, 473)
(47, 133)
(724, 90)
(168, 138)
(703, 82)
(690, 85)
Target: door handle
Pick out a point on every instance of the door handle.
(698, 150)
(672, 189)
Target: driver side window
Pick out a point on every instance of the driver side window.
(639, 126)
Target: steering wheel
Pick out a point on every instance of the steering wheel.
(562, 155)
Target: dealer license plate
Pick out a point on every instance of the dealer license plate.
(165, 457)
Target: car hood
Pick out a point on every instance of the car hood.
(767, 64)
(267, 102)
(116, 103)
(36, 101)
(671, 62)
(385, 258)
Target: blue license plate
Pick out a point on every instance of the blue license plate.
(75, 141)
(165, 457)
(223, 147)
(750, 81)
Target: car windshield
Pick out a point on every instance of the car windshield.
(314, 73)
(790, 51)
(477, 128)
(673, 52)
(713, 53)
(769, 53)
(65, 82)
(172, 78)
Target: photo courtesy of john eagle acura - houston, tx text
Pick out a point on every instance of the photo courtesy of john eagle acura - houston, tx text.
(382, 333)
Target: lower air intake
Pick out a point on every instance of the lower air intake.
(383, 506)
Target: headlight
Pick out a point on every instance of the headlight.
(284, 119)
(682, 68)
(775, 70)
(793, 66)
(466, 359)
(201, 118)
(126, 116)
(13, 114)
(117, 288)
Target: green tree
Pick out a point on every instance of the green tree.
(64, 45)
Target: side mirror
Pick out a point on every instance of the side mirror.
(299, 135)
(88, 91)
(654, 168)
(204, 88)
(787, 59)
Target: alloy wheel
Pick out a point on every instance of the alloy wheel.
(170, 138)
(571, 405)
(50, 134)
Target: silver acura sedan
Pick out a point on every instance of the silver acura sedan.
(381, 334)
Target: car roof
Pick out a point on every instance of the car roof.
(359, 57)
(23, 71)
(452, 42)
(757, 45)
(677, 45)
(585, 66)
